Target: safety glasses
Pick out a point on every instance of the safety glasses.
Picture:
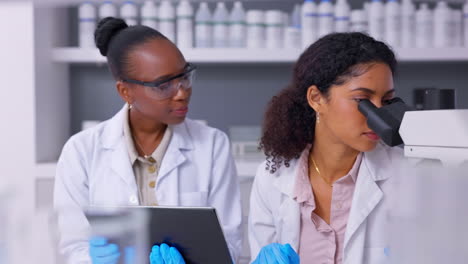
(169, 87)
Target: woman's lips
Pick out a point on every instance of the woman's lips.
(372, 136)
(181, 111)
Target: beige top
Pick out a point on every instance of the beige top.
(146, 170)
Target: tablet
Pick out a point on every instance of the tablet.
(194, 231)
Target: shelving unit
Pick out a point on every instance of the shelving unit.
(75, 55)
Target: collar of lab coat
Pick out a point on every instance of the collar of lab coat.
(113, 133)
(112, 138)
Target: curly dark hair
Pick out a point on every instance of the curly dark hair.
(289, 123)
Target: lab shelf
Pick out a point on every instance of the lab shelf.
(245, 168)
(76, 55)
(45, 170)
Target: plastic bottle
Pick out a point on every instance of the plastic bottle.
(274, 23)
(237, 27)
(393, 23)
(424, 27)
(255, 29)
(149, 14)
(408, 23)
(342, 16)
(325, 18)
(359, 21)
(309, 23)
(292, 38)
(220, 26)
(86, 24)
(107, 9)
(184, 24)
(377, 19)
(129, 13)
(167, 20)
(203, 27)
(456, 28)
(465, 24)
(442, 23)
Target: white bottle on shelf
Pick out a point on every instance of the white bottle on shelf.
(184, 24)
(237, 27)
(292, 35)
(408, 23)
(465, 24)
(86, 24)
(167, 17)
(359, 21)
(442, 24)
(456, 28)
(424, 27)
(274, 23)
(149, 14)
(325, 18)
(203, 27)
(392, 23)
(377, 20)
(309, 23)
(107, 9)
(129, 13)
(342, 16)
(255, 29)
(220, 26)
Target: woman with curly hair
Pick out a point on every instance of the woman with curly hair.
(321, 191)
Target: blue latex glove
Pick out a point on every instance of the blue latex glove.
(277, 254)
(102, 252)
(164, 254)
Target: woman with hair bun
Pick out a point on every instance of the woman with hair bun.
(322, 194)
(149, 153)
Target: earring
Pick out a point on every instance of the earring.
(130, 106)
(318, 118)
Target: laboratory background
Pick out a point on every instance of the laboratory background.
(55, 83)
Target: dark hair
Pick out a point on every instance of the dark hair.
(289, 120)
(115, 39)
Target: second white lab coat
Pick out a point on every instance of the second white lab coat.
(275, 215)
(94, 169)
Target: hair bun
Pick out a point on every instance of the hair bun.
(105, 30)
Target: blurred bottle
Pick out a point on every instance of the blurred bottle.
(107, 9)
(203, 27)
(274, 23)
(309, 23)
(465, 24)
(86, 24)
(442, 25)
(255, 29)
(237, 27)
(376, 15)
(184, 24)
(393, 23)
(424, 27)
(457, 28)
(129, 13)
(149, 14)
(220, 26)
(325, 18)
(359, 21)
(408, 24)
(342, 16)
(292, 38)
(167, 20)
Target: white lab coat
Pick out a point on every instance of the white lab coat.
(275, 216)
(94, 169)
